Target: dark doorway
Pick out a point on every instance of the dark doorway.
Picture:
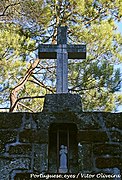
(63, 148)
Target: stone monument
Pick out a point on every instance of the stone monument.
(62, 51)
(62, 139)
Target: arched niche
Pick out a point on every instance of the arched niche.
(63, 148)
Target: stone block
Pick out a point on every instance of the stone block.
(85, 157)
(113, 120)
(110, 162)
(9, 164)
(8, 136)
(107, 149)
(86, 121)
(89, 136)
(2, 147)
(20, 149)
(28, 121)
(40, 157)
(60, 102)
(10, 120)
(33, 136)
(64, 117)
(44, 121)
(116, 136)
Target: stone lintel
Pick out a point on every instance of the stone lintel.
(92, 136)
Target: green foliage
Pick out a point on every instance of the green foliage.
(14, 50)
(26, 23)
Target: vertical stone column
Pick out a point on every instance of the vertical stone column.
(62, 69)
(62, 61)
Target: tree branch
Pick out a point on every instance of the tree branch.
(27, 97)
(40, 83)
(15, 90)
(6, 8)
(21, 104)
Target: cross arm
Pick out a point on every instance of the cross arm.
(47, 51)
(76, 51)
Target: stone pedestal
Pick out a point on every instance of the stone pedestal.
(60, 102)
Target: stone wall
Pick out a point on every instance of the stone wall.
(24, 138)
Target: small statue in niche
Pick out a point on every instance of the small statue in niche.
(63, 159)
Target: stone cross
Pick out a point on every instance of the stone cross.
(62, 51)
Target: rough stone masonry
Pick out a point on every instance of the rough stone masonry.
(25, 140)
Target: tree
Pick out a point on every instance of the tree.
(91, 22)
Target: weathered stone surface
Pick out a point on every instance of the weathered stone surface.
(2, 147)
(113, 120)
(8, 136)
(7, 165)
(116, 135)
(110, 162)
(21, 149)
(85, 157)
(33, 136)
(86, 121)
(10, 120)
(107, 149)
(98, 135)
(4, 169)
(28, 121)
(60, 102)
(92, 136)
(40, 158)
(44, 121)
(64, 117)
